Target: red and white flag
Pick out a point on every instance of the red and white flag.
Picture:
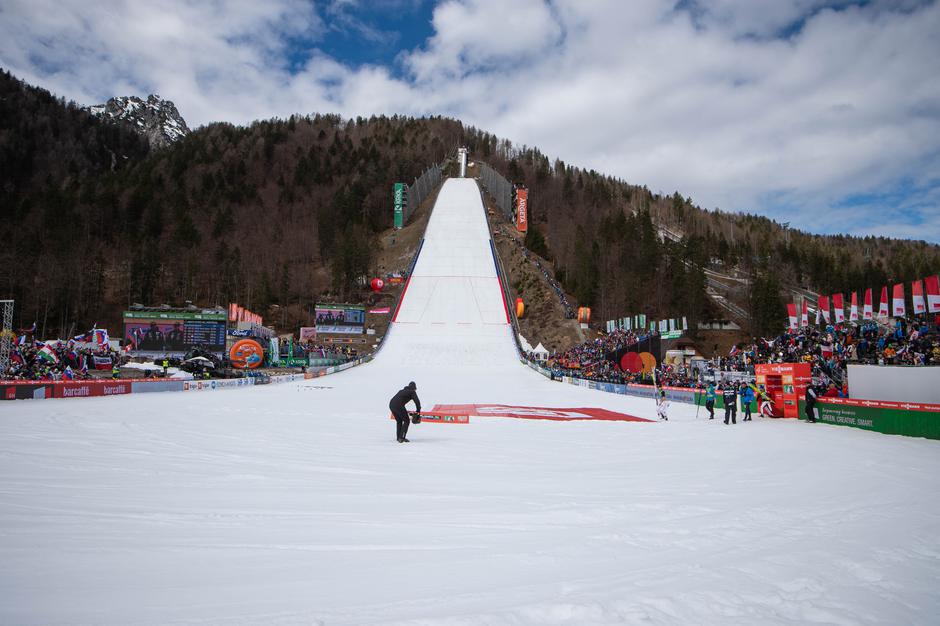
(838, 308)
(883, 305)
(824, 307)
(932, 283)
(804, 317)
(853, 311)
(867, 309)
(917, 295)
(897, 301)
(791, 313)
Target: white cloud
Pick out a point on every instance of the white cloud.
(704, 99)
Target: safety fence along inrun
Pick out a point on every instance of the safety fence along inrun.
(498, 187)
(421, 189)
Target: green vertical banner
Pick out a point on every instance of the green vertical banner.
(399, 205)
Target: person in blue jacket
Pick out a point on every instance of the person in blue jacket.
(747, 396)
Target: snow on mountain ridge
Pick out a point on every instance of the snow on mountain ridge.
(156, 118)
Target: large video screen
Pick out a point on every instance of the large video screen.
(167, 333)
(340, 318)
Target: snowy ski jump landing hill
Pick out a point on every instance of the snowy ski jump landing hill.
(293, 503)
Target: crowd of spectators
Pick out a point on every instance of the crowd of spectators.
(910, 342)
(829, 350)
(343, 352)
(70, 362)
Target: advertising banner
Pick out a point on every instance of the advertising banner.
(340, 318)
(308, 333)
(522, 209)
(86, 389)
(25, 390)
(890, 418)
(399, 201)
(155, 333)
(380, 311)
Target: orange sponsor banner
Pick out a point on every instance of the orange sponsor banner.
(522, 209)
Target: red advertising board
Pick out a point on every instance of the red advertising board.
(785, 384)
(522, 209)
(89, 388)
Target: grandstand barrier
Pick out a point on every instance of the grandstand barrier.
(890, 418)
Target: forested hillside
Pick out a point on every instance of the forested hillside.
(600, 232)
(286, 212)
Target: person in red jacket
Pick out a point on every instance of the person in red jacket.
(831, 392)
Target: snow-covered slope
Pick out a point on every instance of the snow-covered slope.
(155, 118)
(293, 503)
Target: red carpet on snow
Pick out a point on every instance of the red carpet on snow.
(566, 414)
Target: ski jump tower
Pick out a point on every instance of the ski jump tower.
(462, 157)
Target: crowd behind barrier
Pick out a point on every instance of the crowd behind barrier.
(329, 351)
(911, 342)
(57, 360)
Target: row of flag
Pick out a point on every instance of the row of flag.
(47, 349)
(925, 298)
(639, 323)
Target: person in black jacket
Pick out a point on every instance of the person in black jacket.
(397, 407)
(810, 403)
(729, 394)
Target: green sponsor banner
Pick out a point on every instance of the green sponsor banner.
(672, 334)
(173, 315)
(399, 205)
(889, 418)
(719, 401)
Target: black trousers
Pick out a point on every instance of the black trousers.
(710, 407)
(746, 407)
(731, 411)
(401, 421)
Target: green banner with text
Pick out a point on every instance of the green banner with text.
(399, 205)
(891, 418)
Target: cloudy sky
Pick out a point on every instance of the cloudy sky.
(822, 113)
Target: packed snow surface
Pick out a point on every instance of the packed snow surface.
(294, 504)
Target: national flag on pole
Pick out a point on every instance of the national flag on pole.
(838, 308)
(818, 315)
(804, 316)
(897, 301)
(84, 366)
(917, 295)
(734, 350)
(932, 284)
(853, 311)
(21, 340)
(883, 305)
(46, 354)
(867, 309)
(824, 307)
(68, 374)
(791, 314)
(101, 337)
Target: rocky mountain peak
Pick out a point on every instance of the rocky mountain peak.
(156, 118)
